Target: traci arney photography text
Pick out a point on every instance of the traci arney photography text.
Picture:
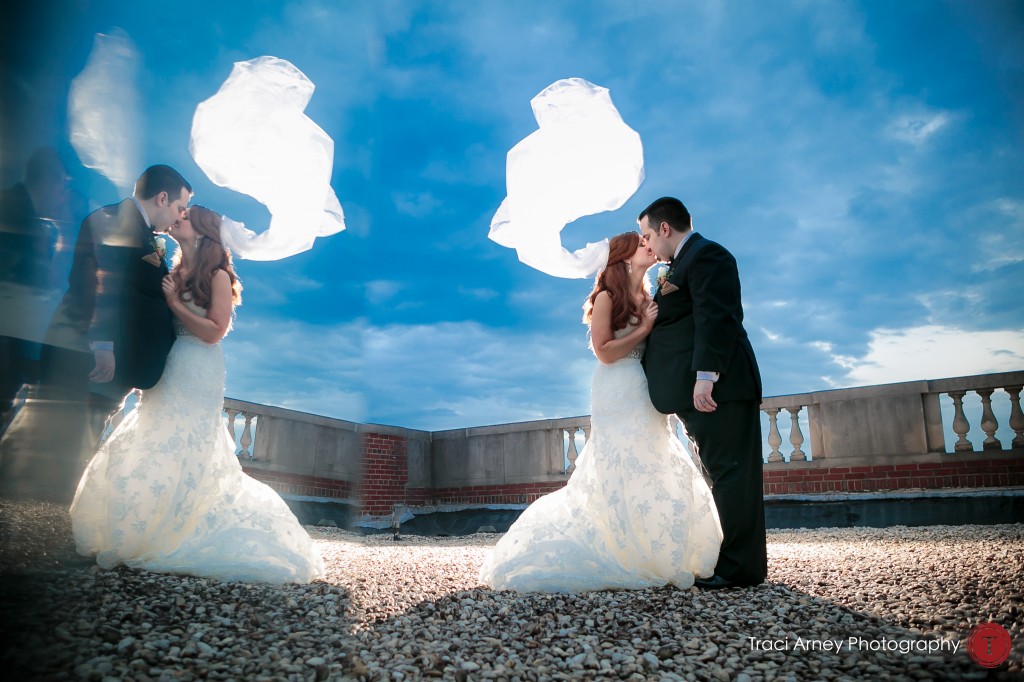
(850, 644)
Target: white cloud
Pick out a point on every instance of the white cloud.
(381, 290)
(472, 167)
(1000, 228)
(416, 205)
(998, 250)
(274, 290)
(263, 291)
(823, 346)
(429, 376)
(460, 374)
(477, 293)
(932, 352)
(945, 304)
(919, 127)
(297, 282)
(297, 365)
(839, 28)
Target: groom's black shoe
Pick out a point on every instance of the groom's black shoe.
(715, 582)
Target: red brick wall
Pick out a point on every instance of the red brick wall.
(514, 493)
(929, 475)
(295, 484)
(385, 473)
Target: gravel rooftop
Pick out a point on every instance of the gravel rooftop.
(413, 609)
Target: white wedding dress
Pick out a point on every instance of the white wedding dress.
(635, 513)
(166, 492)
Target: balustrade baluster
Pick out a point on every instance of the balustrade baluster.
(774, 437)
(246, 439)
(796, 436)
(961, 427)
(231, 422)
(989, 424)
(1016, 415)
(573, 453)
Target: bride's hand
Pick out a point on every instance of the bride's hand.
(650, 315)
(170, 288)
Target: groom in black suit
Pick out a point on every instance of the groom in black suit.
(700, 366)
(111, 333)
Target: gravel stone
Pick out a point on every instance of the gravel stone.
(414, 610)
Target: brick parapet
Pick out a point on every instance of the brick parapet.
(991, 473)
(385, 475)
(385, 472)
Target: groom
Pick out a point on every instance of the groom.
(111, 333)
(700, 366)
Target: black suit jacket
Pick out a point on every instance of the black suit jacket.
(114, 294)
(700, 327)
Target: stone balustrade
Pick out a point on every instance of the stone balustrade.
(249, 413)
(913, 434)
(895, 419)
(946, 434)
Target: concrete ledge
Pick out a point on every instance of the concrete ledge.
(906, 493)
(513, 427)
(898, 459)
(979, 506)
(908, 507)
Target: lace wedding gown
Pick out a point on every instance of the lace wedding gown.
(166, 492)
(635, 513)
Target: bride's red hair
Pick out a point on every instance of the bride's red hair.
(210, 256)
(615, 280)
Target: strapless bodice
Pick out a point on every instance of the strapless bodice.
(638, 350)
(179, 328)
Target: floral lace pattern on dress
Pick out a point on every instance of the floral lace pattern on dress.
(166, 492)
(635, 513)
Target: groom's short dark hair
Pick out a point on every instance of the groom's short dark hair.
(668, 210)
(156, 179)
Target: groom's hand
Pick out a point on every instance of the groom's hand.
(104, 369)
(702, 400)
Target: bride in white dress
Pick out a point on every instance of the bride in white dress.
(166, 492)
(636, 512)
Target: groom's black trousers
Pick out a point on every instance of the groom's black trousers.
(728, 442)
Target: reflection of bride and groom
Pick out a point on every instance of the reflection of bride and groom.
(165, 491)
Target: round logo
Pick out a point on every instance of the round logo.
(988, 644)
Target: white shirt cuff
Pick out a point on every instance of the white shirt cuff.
(707, 376)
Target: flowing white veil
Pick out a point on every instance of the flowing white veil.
(582, 160)
(104, 119)
(253, 137)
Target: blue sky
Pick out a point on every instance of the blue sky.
(862, 160)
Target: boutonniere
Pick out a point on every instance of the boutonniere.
(665, 287)
(663, 274)
(159, 245)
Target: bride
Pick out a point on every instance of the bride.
(636, 512)
(165, 492)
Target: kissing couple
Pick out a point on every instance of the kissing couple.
(637, 511)
(165, 491)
